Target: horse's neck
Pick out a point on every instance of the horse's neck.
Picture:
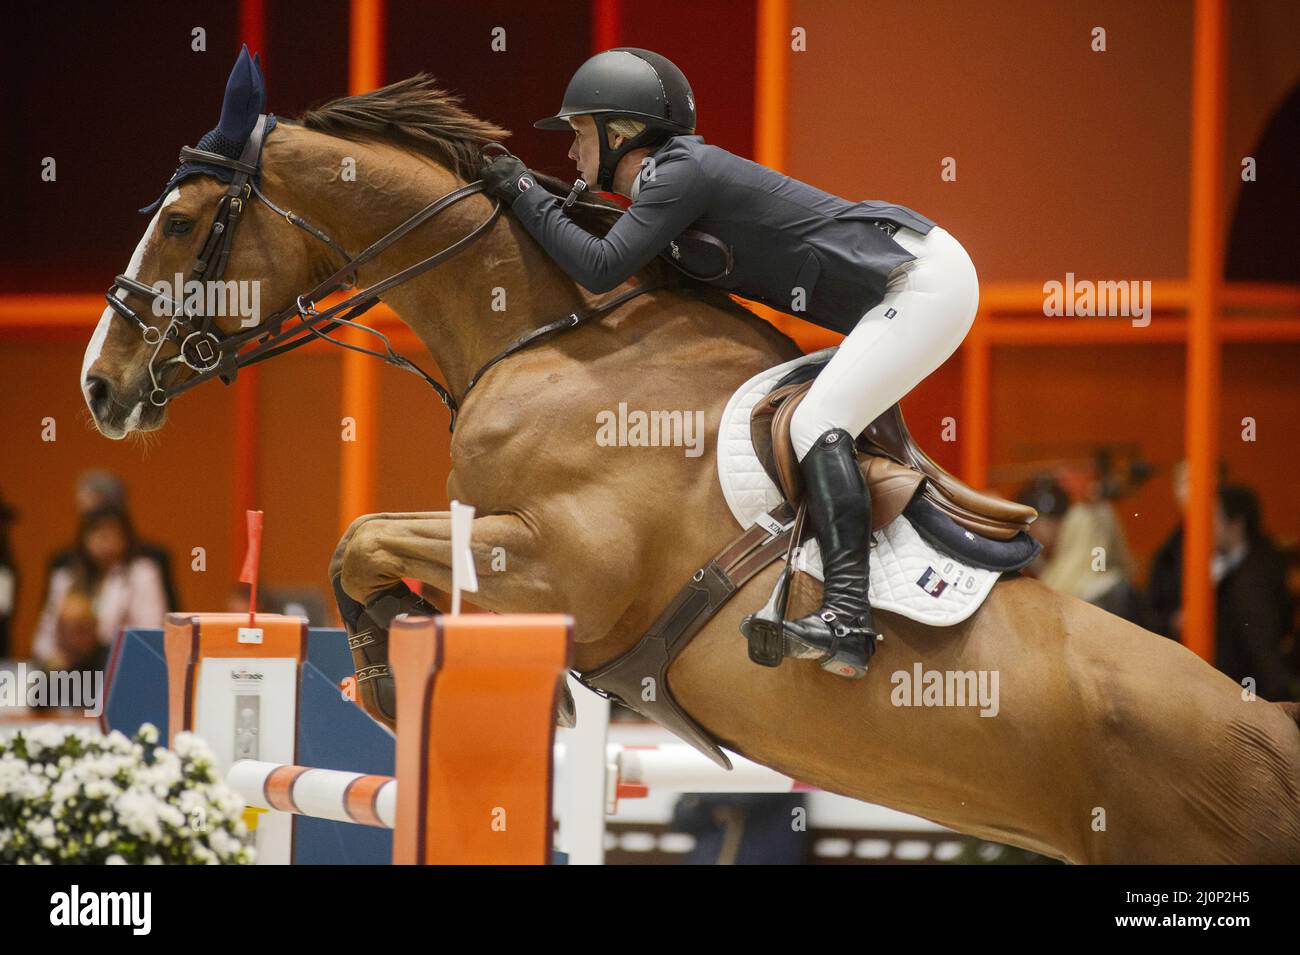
(466, 309)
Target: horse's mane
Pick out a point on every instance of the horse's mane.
(416, 115)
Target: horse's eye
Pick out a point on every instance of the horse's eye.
(179, 225)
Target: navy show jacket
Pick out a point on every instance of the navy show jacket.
(784, 234)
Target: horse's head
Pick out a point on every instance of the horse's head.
(210, 269)
(218, 281)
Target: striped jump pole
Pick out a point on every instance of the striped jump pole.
(370, 800)
(320, 793)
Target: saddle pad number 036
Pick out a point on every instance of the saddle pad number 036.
(909, 576)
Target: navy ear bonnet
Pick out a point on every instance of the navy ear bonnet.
(244, 102)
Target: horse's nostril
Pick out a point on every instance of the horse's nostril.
(99, 395)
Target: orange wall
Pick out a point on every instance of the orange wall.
(1260, 381)
(177, 481)
(1042, 411)
(1067, 160)
(179, 490)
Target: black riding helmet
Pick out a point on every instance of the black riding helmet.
(631, 83)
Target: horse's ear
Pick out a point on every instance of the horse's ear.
(245, 98)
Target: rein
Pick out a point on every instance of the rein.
(210, 353)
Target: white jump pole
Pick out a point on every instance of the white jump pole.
(679, 768)
(581, 763)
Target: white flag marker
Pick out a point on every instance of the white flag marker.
(462, 559)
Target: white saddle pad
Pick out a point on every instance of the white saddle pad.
(908, 575)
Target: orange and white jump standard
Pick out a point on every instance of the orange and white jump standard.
(476, 703)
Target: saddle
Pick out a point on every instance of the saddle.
(892, 464)
(895, 469)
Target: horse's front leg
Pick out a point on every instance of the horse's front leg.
(378, 550)
(336, 559)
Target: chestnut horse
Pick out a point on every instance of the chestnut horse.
(1109, 744)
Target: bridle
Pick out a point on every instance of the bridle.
(209, 352)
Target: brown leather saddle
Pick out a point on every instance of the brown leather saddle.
(896, 470)
(893, 465)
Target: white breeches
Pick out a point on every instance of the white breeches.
(933, 299)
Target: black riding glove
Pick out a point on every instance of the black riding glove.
(506, 176)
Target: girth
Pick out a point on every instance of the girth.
(696, 604)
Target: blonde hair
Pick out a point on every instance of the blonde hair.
(1071, 569)
(627, 127)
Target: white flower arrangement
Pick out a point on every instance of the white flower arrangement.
(73, 796)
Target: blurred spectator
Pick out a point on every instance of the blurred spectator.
(1253, 609)
(8, 580)
(1091, 561)
(96, 489)
(1046, 495)
(1165, 582)
(107, 584)
(1084, 551)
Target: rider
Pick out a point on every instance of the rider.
(898, 285)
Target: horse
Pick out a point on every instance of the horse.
(1111, 744)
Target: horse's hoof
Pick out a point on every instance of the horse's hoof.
(377, 694)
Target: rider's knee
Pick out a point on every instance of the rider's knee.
(808, 423)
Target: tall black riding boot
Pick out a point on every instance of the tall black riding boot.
(843, 631)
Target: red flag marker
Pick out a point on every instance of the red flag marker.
(251, 561)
